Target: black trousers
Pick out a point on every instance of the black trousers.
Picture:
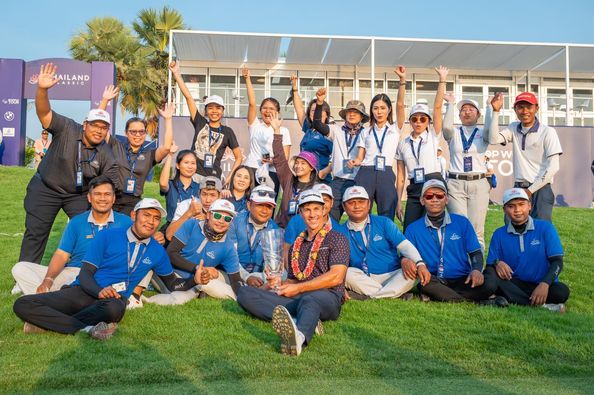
(68, 310)
(414, 208)
(518, 292)
(306, 308)
(42, 204)
(542, 203)
(125, 203)
(454, 290)
(381, 188)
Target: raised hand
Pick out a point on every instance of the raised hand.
(174, 67)
(294, 82)
(167, 111)
(442, 71)
(200, 274)
(276, 122)
(449, 97)
(321, 95)
(110, 92)
(47, 76)
(173, 148)
(400, 71)
(497, 101)
(245, 72)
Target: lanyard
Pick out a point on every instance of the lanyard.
(296, 192)
(106, 226)
(365, 237)
(351, 141)
(253, 239)
(130, 163)
(467, 143)
(418, 153)
(80, 160)
(380, 145)
(210, 136)
(134, 264)
(441, 234)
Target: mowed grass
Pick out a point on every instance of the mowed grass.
(389, 346)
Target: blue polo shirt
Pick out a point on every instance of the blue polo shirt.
(197, 246)
(82, 229)
(314, 141)
(380, 255)
(247, 242)
(459, 241)
(240, 205)
(297, 225)
(111, 253)
(526, 254)
(177, 193)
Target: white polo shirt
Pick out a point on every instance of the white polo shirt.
(390, 144)
(531, 148)
(261, 137)
(340, 150)
(476, 150)
(427, 154)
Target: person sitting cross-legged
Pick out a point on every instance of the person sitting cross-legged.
(314, 288)
(528, 256)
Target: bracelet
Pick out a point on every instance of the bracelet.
(402, 84)
(442, 82)
(49, 278)
(421, 262)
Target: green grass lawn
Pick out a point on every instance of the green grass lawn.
(388, 346)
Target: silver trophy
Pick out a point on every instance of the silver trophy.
(271, 241)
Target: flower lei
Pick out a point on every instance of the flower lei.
(313, 254)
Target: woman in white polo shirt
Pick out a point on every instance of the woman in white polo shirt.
(262, 133)
(417, 154)
(468, 187)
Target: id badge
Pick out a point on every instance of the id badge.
(345, 167)
(380, 163)
(292, 207)
(79, 178)
(119, 287)
(208, 161)
(467, 164)
(419, 176)
(44, 151)
(130, 185)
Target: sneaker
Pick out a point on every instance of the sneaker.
(285, 327)
(424, 298)
(16, 290)
(320, 329)
(357, 296)
(30, 328)
(134, 303)
(497, 301)
(407, 296)
(103, 331)
(556, 307)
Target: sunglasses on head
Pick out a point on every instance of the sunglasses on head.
(421, 119)
(218, 216)
(265, 193)
(430, 196)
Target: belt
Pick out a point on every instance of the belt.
(522, 184)
(467, 177)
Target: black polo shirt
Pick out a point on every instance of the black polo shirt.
(60, 164)
(142, 162)
(211, 140)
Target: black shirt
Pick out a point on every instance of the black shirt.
(61, 161)
(143, 161)
(220, 138)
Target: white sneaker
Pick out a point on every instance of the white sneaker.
(16, 290)
(291, 338)
(556, 307)
(103, 331)
(134, 303)
(319, 327)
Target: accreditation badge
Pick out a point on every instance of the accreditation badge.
(419, 175)
(380, 163)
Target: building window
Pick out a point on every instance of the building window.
(280, 89)
(258, 82)
(196, 84)
(340, 91)
(426, 91)
(392, 91)
(365, 90)
(224, 86)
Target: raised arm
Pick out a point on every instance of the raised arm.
(495, 137)
(166, 171)
(442, 72)
(400, 114)
(174, 67)
(448, 120)
(47, 79)
(252, 106)
(167, 114)
(297, 102)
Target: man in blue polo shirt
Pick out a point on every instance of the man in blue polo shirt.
(116, 261)
(244, 233)
(205, 241)
(376, 242)
(448, 244)
(66, 261)
(527, 256)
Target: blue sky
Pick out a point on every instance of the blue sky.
(43, 29)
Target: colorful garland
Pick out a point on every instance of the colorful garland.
(313, 254)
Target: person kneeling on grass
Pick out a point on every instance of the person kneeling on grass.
(454, 260)
(116, 261)
(376, 242)
(205, 241)
(528, 256)
(314, 289)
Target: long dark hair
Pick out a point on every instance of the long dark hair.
(386, 99)
(180, 156)
(325, 108)
(232, 180)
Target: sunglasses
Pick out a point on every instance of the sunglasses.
(430, 196)
(419, 119)
(218, 216)
(265, 193)
(137, 132)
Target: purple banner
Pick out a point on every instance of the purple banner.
(74, 79)
(12, 112)
(103, 74)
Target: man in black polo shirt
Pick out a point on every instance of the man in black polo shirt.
(77, 155)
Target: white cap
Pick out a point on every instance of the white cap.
(354, 192)
(433, 183)
(323, 189)
(419, 108)
(214, 99)
(98, 115)
(150, 203)
(263, 194)
(514, 193)
(310, 196)
(468, 101)
(440, 149)
(224, 206)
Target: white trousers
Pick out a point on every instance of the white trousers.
(470, 199)
(387, 285)
(218, 288)
(29, 276)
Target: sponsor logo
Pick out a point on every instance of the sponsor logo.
(10, 101)
(65, 79)
(535, 242)
(455, 237)
(377, 238)
(147, 261)
(210, 254)
(8, 132)
(9, 115)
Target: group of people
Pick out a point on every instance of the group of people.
(210, 244)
